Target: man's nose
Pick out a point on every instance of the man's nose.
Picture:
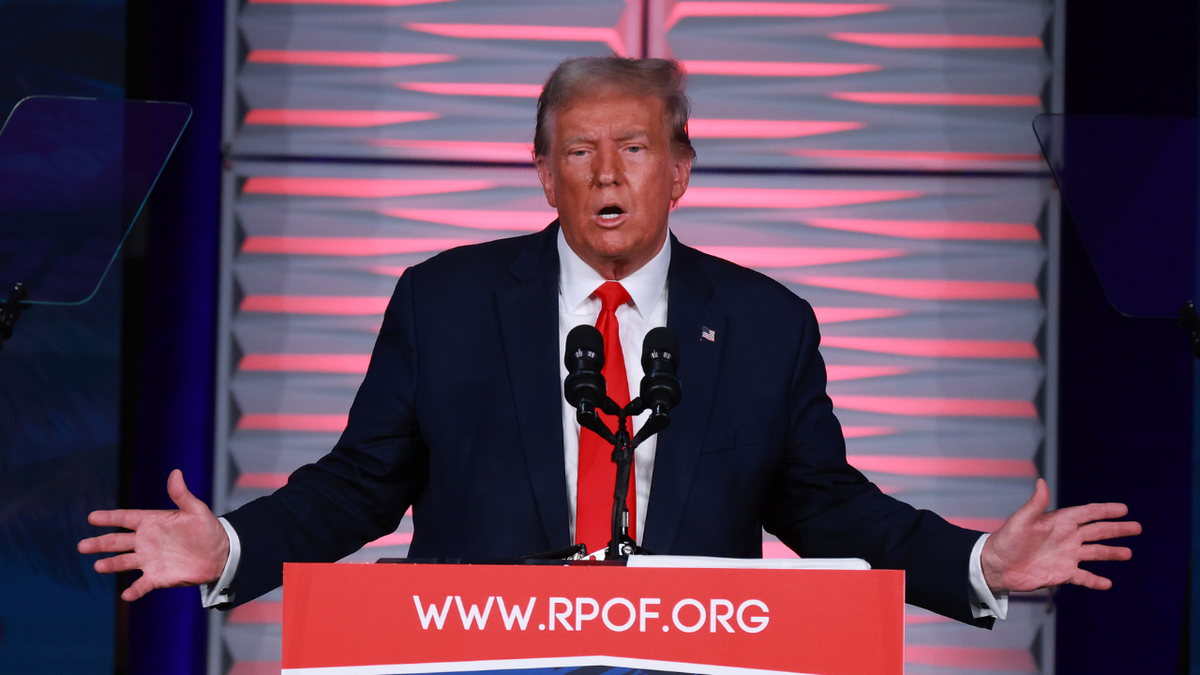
(607, 167)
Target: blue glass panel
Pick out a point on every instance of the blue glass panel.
(74, 173)
(1130, 184)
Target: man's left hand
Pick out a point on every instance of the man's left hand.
(1035, 549)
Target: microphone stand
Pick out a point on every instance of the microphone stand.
(10, 311)
(621, 545)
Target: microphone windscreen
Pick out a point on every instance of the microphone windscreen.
(584, 338)
(660, 341)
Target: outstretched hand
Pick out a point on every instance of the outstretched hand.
(1035, 549)
(172, 548)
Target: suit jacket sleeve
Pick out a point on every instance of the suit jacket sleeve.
(359, 491)
(820, 506)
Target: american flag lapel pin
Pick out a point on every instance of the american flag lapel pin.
(707, 333)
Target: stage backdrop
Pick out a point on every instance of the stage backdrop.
(875, 158)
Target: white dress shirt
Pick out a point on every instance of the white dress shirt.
(647, 309)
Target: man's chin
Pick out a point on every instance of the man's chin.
(613, 252)
(618, 264)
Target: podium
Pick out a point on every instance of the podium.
(381, 619)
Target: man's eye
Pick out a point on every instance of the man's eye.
(578, 153)
(636, 148)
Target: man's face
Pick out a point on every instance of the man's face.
(611, 174)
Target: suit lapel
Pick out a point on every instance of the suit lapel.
(689, 291)
(528, 312)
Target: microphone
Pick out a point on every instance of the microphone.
(660, 389)
(584, 387)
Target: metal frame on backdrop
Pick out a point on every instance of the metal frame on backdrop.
(218, 663)
(1058, 96)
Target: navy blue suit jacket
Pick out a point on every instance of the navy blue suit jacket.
(460, 416)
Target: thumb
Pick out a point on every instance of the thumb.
(1039, 502)
(179, 493)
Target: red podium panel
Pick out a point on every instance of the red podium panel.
(364, 619)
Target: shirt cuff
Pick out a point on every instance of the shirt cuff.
(983, 603)
(221, 593)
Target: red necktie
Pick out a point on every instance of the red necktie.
(597, 472)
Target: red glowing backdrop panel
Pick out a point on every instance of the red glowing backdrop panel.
(368, 135)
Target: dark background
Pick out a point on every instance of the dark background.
(102, 401)
(59, 384)
(176, 50)
(1125, 399)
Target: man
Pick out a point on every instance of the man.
(461, 412)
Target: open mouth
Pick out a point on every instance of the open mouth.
(611, 212)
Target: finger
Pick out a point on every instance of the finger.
(1091, 512)
(128, 519)
(1109, 530)
(1038, 503)
(139, 588)
(1088, 580)
(183, 498)
(121, 563)
(1101, 552)
(108, 543)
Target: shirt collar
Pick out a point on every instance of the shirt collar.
(577, 280)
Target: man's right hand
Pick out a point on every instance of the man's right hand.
(187, 547)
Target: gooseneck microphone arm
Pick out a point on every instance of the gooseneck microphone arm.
(586, 391)
(660, 392)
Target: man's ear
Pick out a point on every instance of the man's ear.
(682, 173)
(547, 177)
